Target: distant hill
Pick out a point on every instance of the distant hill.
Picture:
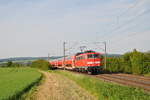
(21, 59)
(114, 55)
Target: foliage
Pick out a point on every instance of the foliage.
(147, 62)
(11, 64)
(41, 64)
(126, 63)
(131, 62)
(113, 64)
(15, 81)
(104, 90)
(137, 61)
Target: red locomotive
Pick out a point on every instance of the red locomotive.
(88, 61)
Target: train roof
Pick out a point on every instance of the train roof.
(88, 51)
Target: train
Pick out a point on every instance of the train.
(87, 61)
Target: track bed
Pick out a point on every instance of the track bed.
(127, 79)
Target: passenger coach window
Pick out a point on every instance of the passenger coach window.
(96, 56)
(93, 56)
(90, 56)
(80, 58)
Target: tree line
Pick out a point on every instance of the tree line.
(40, 63)
(134, 62)
(11, 64)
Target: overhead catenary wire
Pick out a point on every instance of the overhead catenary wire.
(120, 26)
(128, 22)
(128, 9)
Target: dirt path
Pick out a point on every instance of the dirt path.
(56, 87)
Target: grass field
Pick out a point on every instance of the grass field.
(16, 81)
(148, 74)
(104, 90)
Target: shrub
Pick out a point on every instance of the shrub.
(131, 62)
(41, 64)
(113, 64)
(137, 61)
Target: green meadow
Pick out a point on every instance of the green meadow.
(16, 81)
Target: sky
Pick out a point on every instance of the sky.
(38, 27)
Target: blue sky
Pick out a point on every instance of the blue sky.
(38, 27)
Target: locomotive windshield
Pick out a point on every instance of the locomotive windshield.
(93, 56)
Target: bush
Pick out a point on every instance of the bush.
(113, 65)
(126, 63)
(41, 64)
(137, 61)
(132, 62)
(11, 64)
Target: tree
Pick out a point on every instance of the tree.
(113, 64)
(126, 63)
(41, 64)
(137, 62)
(9, 64)
(131, 62)
(146, 62)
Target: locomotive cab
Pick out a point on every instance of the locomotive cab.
(89, 61)
(93, 59)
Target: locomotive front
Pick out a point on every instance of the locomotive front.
(88, 61)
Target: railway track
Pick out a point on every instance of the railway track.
(123, 79)
(126, 79)
(135, 76)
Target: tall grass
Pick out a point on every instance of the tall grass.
(104, 90)
(16, 81)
